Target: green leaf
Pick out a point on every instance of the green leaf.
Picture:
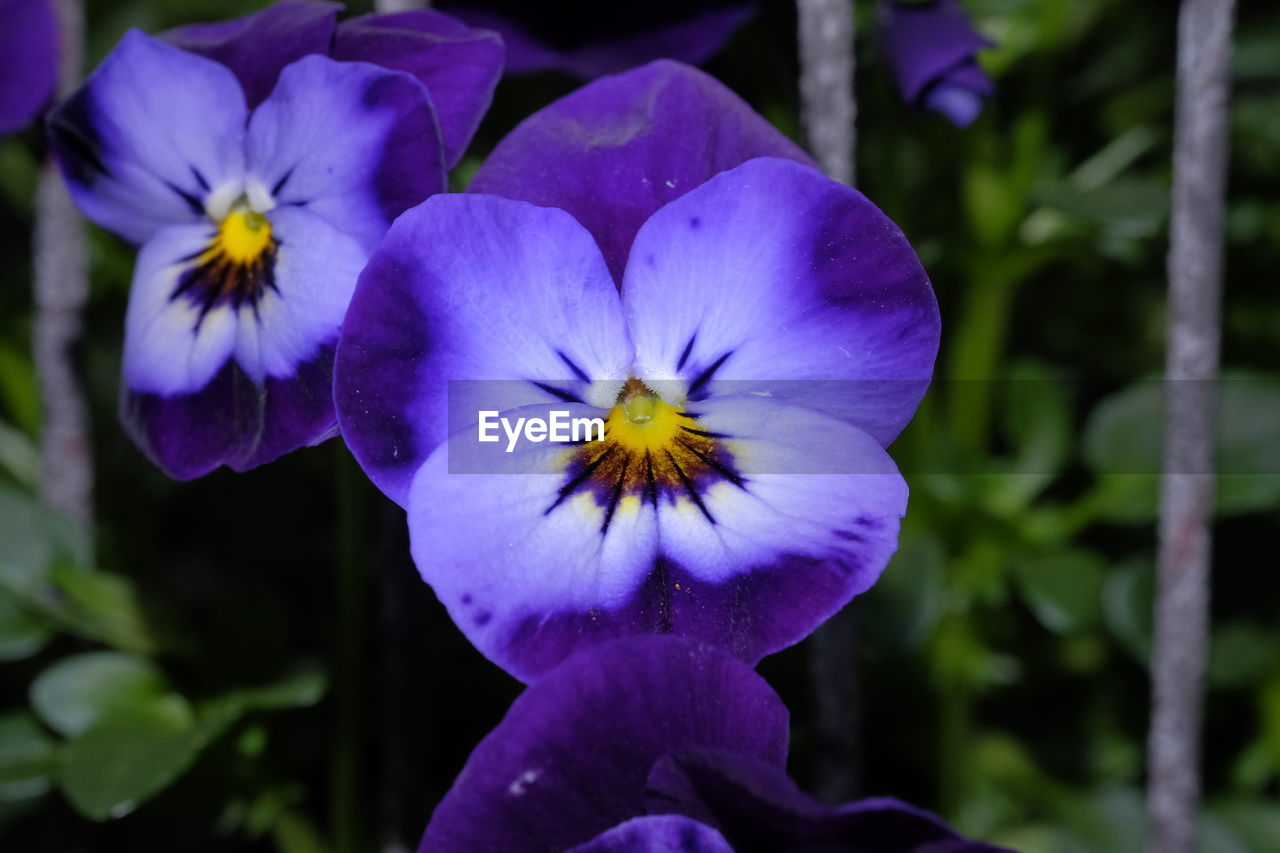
(104, 607)
(1037, 423)
(1127, 600)
(1240, 655)
(76, 692)
(21, 633)
(27, 758)
(299, 689)
(1122, 445)
(1063, 590)
(126, 758)
(32, 540)
(907, 601)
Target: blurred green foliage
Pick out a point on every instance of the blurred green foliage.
(207, 671)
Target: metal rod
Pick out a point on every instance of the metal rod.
(1186, 494)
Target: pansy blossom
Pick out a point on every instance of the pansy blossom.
(773, 334)
(256, 191)
(658, 744)
(930, 48)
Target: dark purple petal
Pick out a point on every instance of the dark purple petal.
(28, 60)
(789, 284)
(574, 36)
(570, 759)
(467, 287)
(615, 151)
(657, 834)
(928, 45)
(354, 143)
(257, 47)
(460, 66)
(150, 137)
(758, 809)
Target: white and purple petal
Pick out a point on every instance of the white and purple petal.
(469, 287)
(774, 279)
(353, 143)
(28, 60)
(615, 151)
(570, 759)
(222, 376)
(460, 66)
(150, 137)
(256, 47)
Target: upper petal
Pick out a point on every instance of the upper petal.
(570, 759)
(257, 46)
(460, 66)
(657, 834)
(468, 287)
(28, 60)
(356, 144)
(777, 279)
(573, 37)
(149, 136)
(615, 151)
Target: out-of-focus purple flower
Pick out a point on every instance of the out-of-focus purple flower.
(28, 60)
(257, 183)
(930, 47)
(657, 745)
(774, 333)
(588, 39)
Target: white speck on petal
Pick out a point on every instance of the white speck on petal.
(522, 782)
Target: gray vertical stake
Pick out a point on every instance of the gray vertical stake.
(1186, 492)
(61, 289)
(828, 111)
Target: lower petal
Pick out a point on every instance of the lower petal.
(237, 371)
(511, 554)
(811, 522)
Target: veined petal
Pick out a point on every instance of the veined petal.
(615, 151)
(657, 834)
(468, 287)
(28, 60)
(779, 280)
(230, 361)
(149, 136)
(570, 759)
(257, 46)
(356, 144)
(809, 519)
(460, 66)
(508, 552)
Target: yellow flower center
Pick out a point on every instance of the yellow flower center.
(243, 236)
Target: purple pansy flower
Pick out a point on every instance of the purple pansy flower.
(28, 60)
(773, 334)
(588, 40)
(257, 182)
(657, 745)
(930, 48)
